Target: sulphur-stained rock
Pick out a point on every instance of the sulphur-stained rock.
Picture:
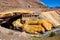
(52, 16)
(44, 21)
(46, 24)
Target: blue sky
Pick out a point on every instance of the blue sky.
(51, 3)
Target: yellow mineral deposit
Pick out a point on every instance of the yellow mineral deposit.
(52, 16)
(12, 12)
(36, 25)
(34, 29)
(46, 24)
(17, 23)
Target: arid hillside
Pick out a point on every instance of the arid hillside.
(34, 5)
(22, 3)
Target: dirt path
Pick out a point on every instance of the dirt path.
(6, 34)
